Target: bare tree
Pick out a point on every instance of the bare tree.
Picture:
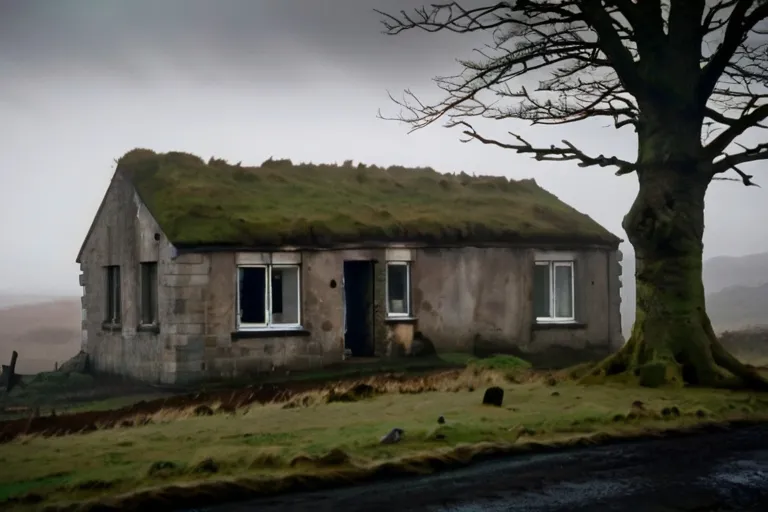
(690, 76)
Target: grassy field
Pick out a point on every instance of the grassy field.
(214, 203)
(264, 446)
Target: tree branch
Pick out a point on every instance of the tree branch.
(553, 153)
(739, 25)
(728, 162)
(736, 128)
(611, 44)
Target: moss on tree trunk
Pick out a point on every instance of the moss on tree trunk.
(672, 340)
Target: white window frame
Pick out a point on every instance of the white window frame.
(407, 265)
(552, 265)
(268, 325)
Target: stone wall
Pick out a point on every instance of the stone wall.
(481, 300)
(124, 233)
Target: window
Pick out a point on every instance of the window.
(553, 291)
(149, 293)
(398, 288)
(268, 296)
(113, 294)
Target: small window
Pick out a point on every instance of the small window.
(83, 312)
(553, 297)
(113, 295)
(269, 296)
(398, 289)
(149, 293)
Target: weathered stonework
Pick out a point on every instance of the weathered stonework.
(463, 299)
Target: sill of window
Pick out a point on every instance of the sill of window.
(269, 333)
(542, 325)
(400, 320)
(110, 327)
(152, 328)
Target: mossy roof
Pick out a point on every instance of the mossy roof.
(280, 203)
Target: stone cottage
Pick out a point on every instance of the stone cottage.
(195, 270)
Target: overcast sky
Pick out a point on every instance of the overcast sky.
(82, 82)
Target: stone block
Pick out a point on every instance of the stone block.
(252, 258)
(191, 258)
(189, 318)
(185, 292)
(286, 258)
(188, 328)
(398, 254)
(172, 281)
(178, 340)
(186, 306)
(189, 268)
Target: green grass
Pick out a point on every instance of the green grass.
(280, 203)
(499, 362)
(263, 441)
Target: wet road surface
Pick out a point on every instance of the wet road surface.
(712, 472)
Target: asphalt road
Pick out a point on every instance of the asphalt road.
(713, 472)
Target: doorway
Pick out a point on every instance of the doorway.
(358, 308)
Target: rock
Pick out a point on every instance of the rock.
(394, 436)
(206, 466)
(202, 410)
(555, 393)
(162, 468)
(493, 396)
(336, 457)
(422, 346)
(441, 420)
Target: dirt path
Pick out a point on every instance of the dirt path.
(230, 400)
(711, 472)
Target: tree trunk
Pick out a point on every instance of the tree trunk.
(672, 340)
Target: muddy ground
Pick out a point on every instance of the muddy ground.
(725, 471)
(48, 423)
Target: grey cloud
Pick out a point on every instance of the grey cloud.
(81, 82)
(141, 38)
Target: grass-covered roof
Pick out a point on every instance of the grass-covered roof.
(279, 203)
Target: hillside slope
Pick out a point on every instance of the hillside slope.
(739, 307)
(737, 295)
(42, 333)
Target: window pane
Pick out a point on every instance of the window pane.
(118, 309)
(397, 289)
(153, 292)
(541, 291)
(563, 291)
(113, 294)
(148, 293)
(110, 294)
(252, 292)
(285, 295)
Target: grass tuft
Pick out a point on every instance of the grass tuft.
(179, 455)
(201, 203)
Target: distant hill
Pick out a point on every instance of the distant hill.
(736, 287)
(8, 299)
(41, 331)
(727, 271)
(739, 307)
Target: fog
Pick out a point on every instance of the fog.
(82, 82)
